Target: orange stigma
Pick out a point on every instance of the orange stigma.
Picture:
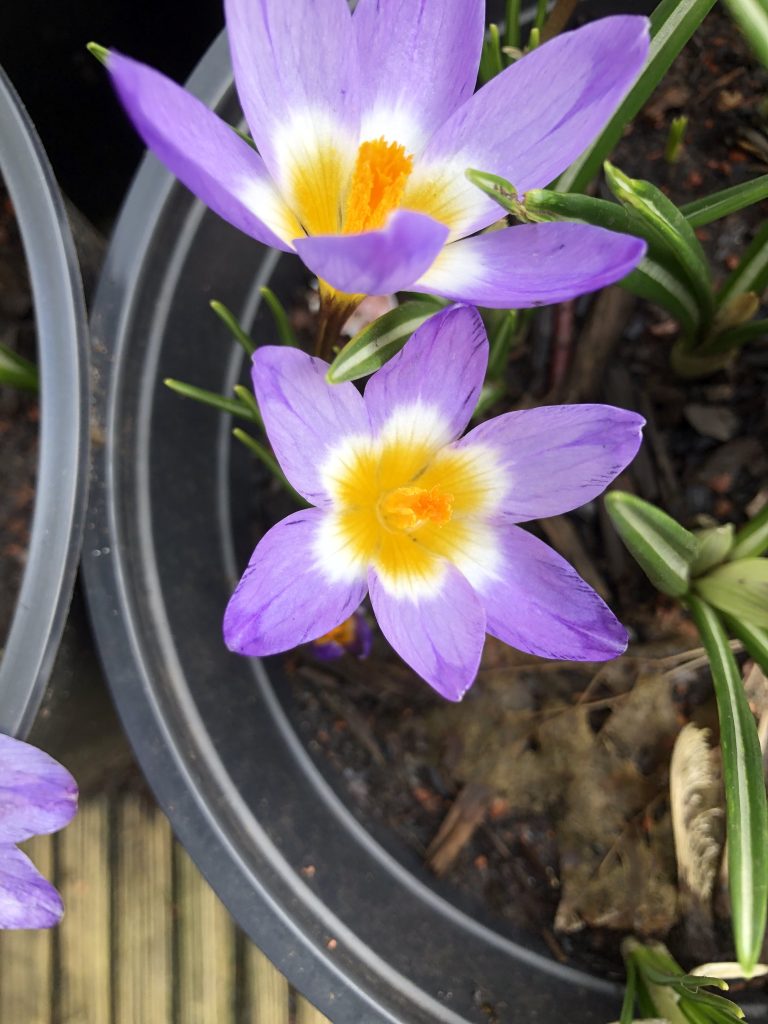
(343, 635)
(378, 182)
(408, 508)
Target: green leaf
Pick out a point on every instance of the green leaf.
(752, 540)
(248, 399)
(653, 282)
(674, 147)
(379, 341)
(101, 53)
(491, 63)
(230, 405)
(754, 638)
(264, 455)
(715, 544)
(729, 200)
(16, 371)
(752, 18)
(283, 324)
(663, 549)
(512, 33)
(501, 339)
(674, 234)
(673, 23)
(630, 993)
(655, 279)
(491, 392)
(738, 588)
(733, 338)
(745, 799)
(231, 321)
(751, 275)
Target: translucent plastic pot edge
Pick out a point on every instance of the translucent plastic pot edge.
(62, 347)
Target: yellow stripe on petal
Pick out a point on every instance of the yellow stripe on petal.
(316, 161)
(444, 194)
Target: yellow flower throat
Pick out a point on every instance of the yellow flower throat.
(410, 508)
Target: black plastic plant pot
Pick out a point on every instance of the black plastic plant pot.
(62, 347)
(370, 936)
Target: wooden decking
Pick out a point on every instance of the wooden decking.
(144, 939)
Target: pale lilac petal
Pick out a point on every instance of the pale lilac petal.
(531, 265)
(539, 604)
(421, 59)
(531, 121)
(203, 152)
(441, 368)
(27, 900)
(439, 635)
(304, 416)
(296, 71)
(557, 458)
(288, 594)
(376, 262)
(37, 794)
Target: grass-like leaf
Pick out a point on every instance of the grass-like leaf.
(379, 341)
(751, 275)
(16, 371)
(752, 18)
(672, 25)
(730, 200)
(663, 549)
(231, 321)
(752, 539)
(745, 799)
(234, 406)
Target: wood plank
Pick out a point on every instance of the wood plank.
(206, 949)
(143, 926)
(267, 991)
(306, 1013)
(26, 958)
(84, 935)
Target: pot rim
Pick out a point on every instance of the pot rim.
(61, 487)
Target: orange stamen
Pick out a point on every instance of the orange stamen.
(343, 635)
(408, 508)
(378, 182)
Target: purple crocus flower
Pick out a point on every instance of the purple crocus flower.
(354, 636)
(37, 796)
(422, 520)
(365, 124)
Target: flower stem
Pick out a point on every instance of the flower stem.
(335, 309)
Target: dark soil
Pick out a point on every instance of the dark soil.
(542, 800)
(18, 419)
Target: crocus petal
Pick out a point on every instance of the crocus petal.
(531, 265)
(289, 593)
(296, 70)
(531, 121)
(537, 603)
(305, 417)
(27, 900)
(376, 262)
(440, 635)
(203, 152)
(441, 368)
(37, 794)
(556, 458)
(421, 63)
